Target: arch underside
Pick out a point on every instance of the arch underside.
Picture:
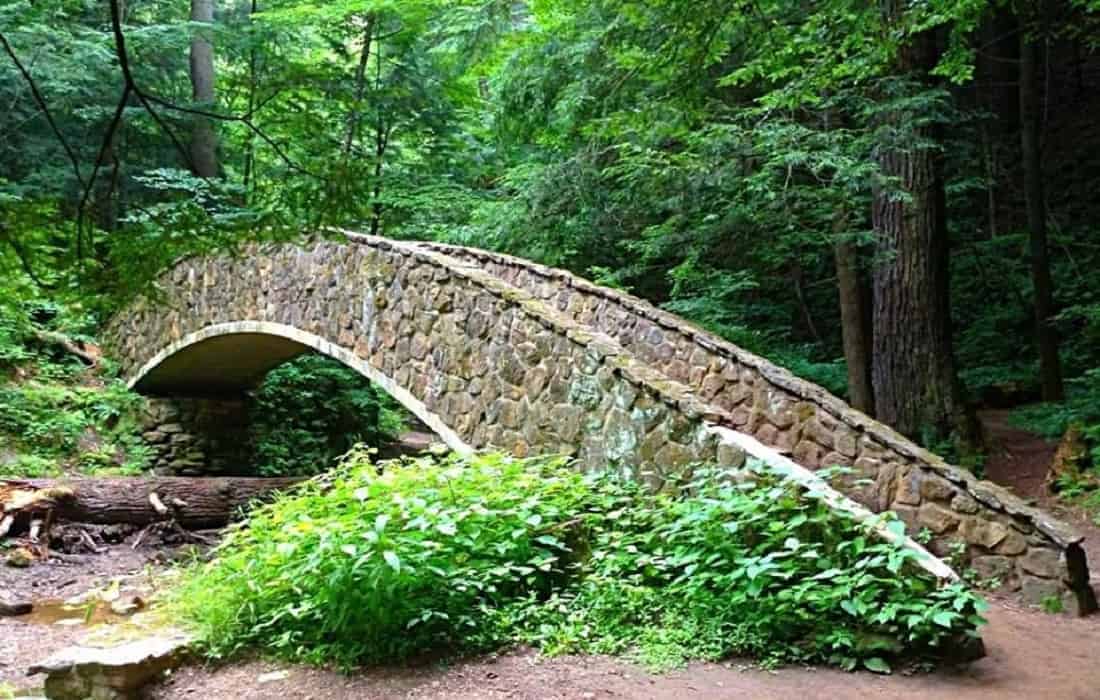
(227, 359)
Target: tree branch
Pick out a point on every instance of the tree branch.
(41, 102)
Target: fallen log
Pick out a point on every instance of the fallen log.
(195, 503)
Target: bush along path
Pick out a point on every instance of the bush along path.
(381, 563)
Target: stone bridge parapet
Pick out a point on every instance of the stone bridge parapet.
(998, 535)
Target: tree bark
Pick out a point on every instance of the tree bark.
(204, 143)
(250, 143)
(1046, 338)
(854, 317)
(355, 115)
(913, 372)
(210, 502)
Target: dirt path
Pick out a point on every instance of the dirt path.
(1019, 460)
(1032, 656)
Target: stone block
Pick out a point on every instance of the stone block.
(730, 456)
(908, 492)
(992, 566)
(844, 442)
(980, 531)
(963, 503)
(908, 515)
(937, 518)
(935, 488)
(808, 454)
(885, 486)
(813, 430)
(1037, 591)
(1044, 562)
(1012, 545)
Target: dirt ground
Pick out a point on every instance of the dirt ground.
(26, 640)
(1030, 655)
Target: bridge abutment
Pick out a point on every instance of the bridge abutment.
(199, 436)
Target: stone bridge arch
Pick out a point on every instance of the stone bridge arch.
(479, 360)
(490, 350)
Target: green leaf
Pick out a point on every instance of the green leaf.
(877, 665)
(945, 618)
(392, 559)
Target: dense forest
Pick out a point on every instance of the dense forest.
(895, 200)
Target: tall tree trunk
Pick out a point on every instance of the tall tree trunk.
(1046, 339)
(854, 317)
(250, 143)
(204, 143)
(355, 115)
(913, 372)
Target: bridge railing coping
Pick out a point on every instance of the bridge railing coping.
(986, 492)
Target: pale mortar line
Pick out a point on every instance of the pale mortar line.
(349, 358)
(814, 484)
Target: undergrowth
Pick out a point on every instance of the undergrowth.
(57, 414)
(1077, 417)
(377, 563)
(311, 410)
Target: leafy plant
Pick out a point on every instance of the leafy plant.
(311, 410)
(374, 563)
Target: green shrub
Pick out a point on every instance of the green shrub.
(29, 467)
(1082, 406)
(313, 409)
(88, 427)
(375, 563)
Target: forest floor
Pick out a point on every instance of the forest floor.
(1030, 654)
(1019, 460)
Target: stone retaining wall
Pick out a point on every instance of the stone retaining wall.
(995, 532)
(198, 436)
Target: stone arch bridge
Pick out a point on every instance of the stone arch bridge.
(491, 350)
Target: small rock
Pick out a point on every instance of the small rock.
(273, 676)
(127, 606)
(11, 607)
(20, 558)
(78, 673)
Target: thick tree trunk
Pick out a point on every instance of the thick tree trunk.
(913, 373)
(1046, 339)
(855, 331)
(204, 144)
(195, 503)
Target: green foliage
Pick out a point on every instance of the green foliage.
(375, 563)
(91, 429)
(313, 409)
(56, 414)
(1082, 407)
